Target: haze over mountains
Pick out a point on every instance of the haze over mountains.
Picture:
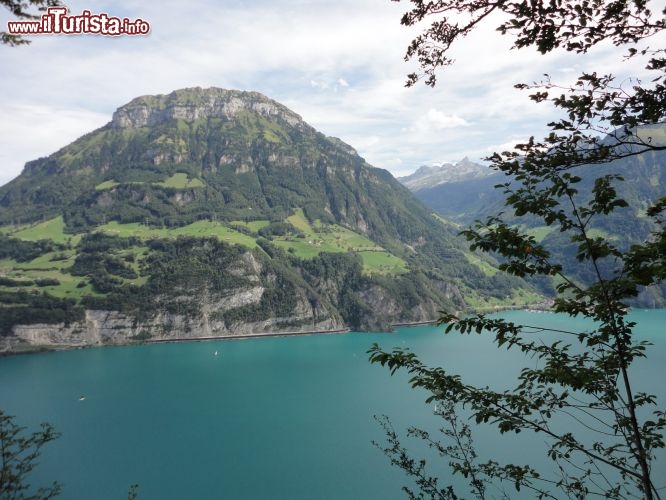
(459, 191)
(465, 192)
(430, 176)
(210, 212)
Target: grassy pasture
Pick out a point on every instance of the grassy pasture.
(486, 268)
(52, 229)
(199, 229)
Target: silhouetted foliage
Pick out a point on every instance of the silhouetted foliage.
(607, 430)
(18, 457)
(21, 9)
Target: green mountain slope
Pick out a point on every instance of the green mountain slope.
(210, 212)
(644, 180)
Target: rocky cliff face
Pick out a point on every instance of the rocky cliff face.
(100, 327)
(197, 103)
(190, 310)
(113, 328)
(195, 309)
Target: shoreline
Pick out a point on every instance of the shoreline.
(245, 336)
(296, 333)
(37, 349)
(34, 349)
(415, 323)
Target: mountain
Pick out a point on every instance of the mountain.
(427, 177)
(209, 212)
(644, 175)
(460, 191)
(465, 200)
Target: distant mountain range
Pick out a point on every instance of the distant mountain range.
(467, 195)
(210, 212)
(430, 176)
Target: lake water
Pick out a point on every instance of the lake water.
(268, 418)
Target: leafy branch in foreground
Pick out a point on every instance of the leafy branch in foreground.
(575, 26)
(18, 455)
(462, 460)
(602, 432)
(21, 9)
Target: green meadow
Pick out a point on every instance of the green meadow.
(313, 239)
(178, 180)
(518, 299)
(52, 229)
(199, 229)
(485, 267)
(316, 238)
(181, 181)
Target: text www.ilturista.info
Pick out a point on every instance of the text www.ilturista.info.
(55, 21)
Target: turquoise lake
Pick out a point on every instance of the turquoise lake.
(267, 418)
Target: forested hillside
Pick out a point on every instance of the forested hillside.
(209, 212)
(640, 184)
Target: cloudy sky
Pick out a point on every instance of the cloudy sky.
(337, 63)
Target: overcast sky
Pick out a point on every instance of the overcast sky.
(337, 63)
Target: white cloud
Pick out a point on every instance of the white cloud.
(319, 85)
(338, 64)
(438, 120)
(38, 131)
(509, 146)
